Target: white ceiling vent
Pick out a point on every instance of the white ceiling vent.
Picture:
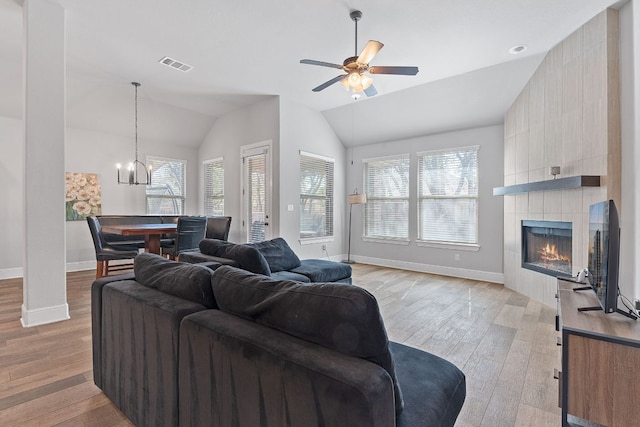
(170, 62)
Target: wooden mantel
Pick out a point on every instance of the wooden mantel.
(568, 183)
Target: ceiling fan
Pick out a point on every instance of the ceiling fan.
(356, 66)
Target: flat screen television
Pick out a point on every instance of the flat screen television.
(604, 253)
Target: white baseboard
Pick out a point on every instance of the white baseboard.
(81, 266)
(11, 273)
(16, 273)
(484, 276)
(42, 316)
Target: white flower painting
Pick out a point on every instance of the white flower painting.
(82, 195)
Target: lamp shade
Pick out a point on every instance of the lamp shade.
(357, 199)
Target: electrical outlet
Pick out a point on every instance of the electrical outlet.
(324, 247)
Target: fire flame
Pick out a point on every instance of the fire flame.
(550, 253)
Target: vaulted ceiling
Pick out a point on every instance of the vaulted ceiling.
(244, 51)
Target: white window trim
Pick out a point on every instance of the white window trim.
(469, 247)
(387, 240)
(317, 156)
(448, 150)
(316, 240)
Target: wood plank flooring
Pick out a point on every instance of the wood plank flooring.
(503, 342)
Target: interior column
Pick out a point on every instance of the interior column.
(44, 288)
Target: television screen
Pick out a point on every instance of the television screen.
(604, 250)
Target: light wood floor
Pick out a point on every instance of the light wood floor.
(504, 342)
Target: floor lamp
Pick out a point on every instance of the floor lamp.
(353, 199)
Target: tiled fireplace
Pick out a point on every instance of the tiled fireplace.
(567, 115)
(547, 247)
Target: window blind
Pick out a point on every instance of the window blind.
(166, 194)
(257, 196)
(387, 188)
(448, 195)
(316, 196)
(214, 187)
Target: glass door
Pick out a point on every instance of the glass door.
(256, 191)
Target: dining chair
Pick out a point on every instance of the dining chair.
(218, 227)
(106, 252)
(191, 230)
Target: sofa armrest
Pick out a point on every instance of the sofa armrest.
(140, 344)
(300, 383)
(96, 321)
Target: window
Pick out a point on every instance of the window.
(316, 196)
(214, 187)
(386, 182)
(448, 196)
(165, 195)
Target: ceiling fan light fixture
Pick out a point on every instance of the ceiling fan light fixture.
(354, 79)
(355, 67)
(365, 81)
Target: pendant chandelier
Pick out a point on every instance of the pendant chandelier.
(132, 167)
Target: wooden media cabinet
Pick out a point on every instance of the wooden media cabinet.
(600, 377)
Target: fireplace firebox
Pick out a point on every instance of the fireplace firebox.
(546, 247)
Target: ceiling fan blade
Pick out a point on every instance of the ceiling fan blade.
(320, 63)
(329, 83)
(369, 51)
(370, 91)
(405, 71)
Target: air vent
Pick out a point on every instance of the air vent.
(170, 62)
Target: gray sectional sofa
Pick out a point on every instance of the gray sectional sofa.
(273, 258)
(178, 344)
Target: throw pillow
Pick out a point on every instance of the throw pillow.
(248, 258)
(338, 316)
(213, 247)
(278, 254)
(187, 281)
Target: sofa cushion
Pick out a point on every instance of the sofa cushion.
(289, 275)
(278, 254)
(322, 270)
(187, 281)
(338, 316)
(246, 256)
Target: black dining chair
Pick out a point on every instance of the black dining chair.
(106, 252)
(218, 227)
(191, 230)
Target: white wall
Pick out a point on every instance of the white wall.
(629, 106)
(304, 129)
(11, 194)
(256, 123)
(486, 263)
(85, 151)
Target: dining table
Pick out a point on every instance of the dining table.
(151, 232)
